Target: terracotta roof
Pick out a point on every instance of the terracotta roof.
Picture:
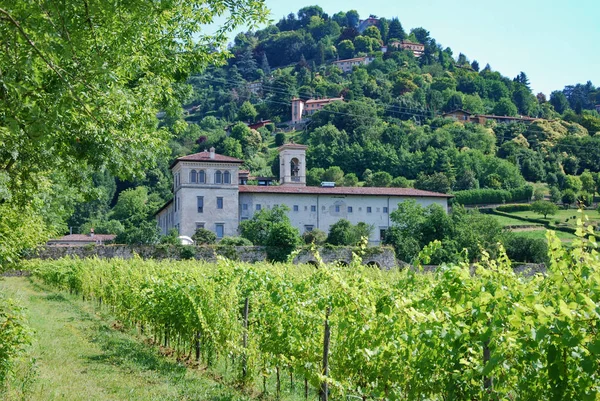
(350, 59)
(373, 191)
(329, 99)
(85, 238)
(291, 145)
(205, 157)
(408, 42)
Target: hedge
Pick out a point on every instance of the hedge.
(491, 196)
(514, 208)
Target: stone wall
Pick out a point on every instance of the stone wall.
(382, 257)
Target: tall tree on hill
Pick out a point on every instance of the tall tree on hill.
(352, 18)
(384, 28)
(372, 32)
(475, 66)
(246, 64)
(320, 54)
(421, 34)
(305, 13)
(396, 30)
(522, 79)
(264, 64)
(559, 101)
(345, 49)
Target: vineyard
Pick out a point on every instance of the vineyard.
(354, 332)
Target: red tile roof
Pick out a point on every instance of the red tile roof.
(350, 59)
(374, 191)
(326, 100)
(205, 157)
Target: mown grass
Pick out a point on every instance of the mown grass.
(77, 354)
(541, 234)
(564, 216)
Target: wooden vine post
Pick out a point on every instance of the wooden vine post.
(245, 339)
(326, 336)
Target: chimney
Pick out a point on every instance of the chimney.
(212, 153)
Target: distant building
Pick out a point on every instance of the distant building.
(417, 48)
(82, 239)
(598, 108)
(301, 108)
(466, 117)
(255, 87)
(364, 24)
(349, 63)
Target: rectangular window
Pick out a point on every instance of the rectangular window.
(175, 204)
(258, 207)
(382, 234)
(219, 202)
(308, 228)
(200, 200)
(385, 209)
(199, 225)
(349, 209)
(337, 208)
(369, 209)
(296, 208)
(244, 206)
(313, 208)
(219, 230)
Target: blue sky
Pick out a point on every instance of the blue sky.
(554, 42)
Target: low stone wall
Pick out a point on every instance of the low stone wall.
(382, 257)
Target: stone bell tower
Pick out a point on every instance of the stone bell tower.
(292, 168)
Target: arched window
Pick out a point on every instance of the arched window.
(193, 176)
(227, 177)
(201, 177)
(218, 177)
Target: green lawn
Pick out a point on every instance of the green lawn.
(77, 354)
(507, 221)
(562, 215)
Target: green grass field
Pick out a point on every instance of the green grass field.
(79, 353)
(541, 234)
(562, 215)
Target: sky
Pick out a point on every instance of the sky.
(555, 42)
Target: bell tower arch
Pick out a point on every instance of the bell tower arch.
(292, 164)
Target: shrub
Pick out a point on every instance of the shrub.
(539, 194)
(490, 196)
(514, 208)
(316, 236)
(202, 236)
(235, 241)
(527, 250)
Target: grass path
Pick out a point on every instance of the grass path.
(78, 356)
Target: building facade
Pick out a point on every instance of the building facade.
(207, 193)
(346, 65)
(302, 108)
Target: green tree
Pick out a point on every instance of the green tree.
(437, 182)
(381, 179)
(568, 197)
(544, 208)
(333, 174)
(559, 101)
(82, 84)
(539, 194)
(555, 195)
(247, 112)
(396, 30)
(400, 182)
(587, 182)
(350, 180)
(373, 32)
(505, 107)
(345, 49)
(344, 233)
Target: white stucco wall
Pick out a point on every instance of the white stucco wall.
(326, 213)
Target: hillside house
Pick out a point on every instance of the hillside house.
(364, 24)
(346, 65)
(301, 108)
(208, 193)
(417, 49)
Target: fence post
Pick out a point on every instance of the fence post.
(326, 336)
